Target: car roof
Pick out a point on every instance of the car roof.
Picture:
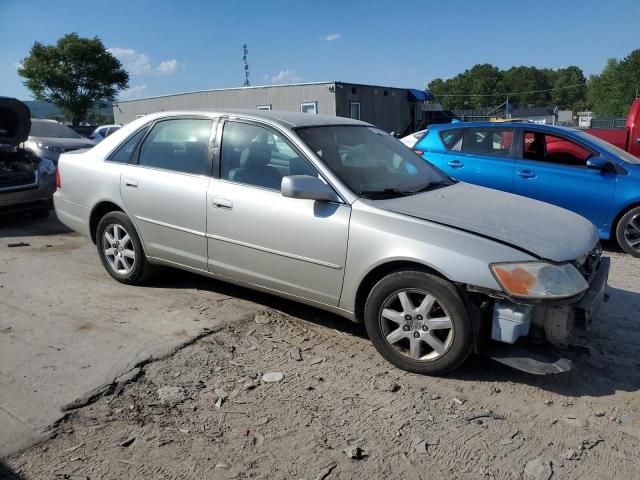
(515, 124)
(283, 119)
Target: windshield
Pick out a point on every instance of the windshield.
(51, 129)
(603, 144)
(371, 162)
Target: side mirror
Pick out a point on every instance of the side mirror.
(597, 163)
(306, 186)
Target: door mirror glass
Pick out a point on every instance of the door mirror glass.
(306, 186)
(597, 163)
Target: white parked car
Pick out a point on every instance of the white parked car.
(411, 140)
(103, 131)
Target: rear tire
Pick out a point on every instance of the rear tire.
(418, 322)
(628, 232)
(120, 249)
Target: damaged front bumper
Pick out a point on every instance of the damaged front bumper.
(531, 337)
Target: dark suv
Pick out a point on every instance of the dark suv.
(26, 181)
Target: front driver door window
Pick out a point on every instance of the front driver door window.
(165, 189)
(483, 156)
(256, 235)
(553, 169)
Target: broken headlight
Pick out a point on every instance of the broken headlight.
(539, 280)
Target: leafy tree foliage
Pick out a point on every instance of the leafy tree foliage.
(485, 85)
(75, 74)
(612, 92)
(565, 94)
(609, 94)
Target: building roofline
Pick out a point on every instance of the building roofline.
(253, 87)
(302, 84)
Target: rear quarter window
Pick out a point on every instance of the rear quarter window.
(450, 137)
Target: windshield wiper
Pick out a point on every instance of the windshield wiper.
(429, 186)
(387, 192)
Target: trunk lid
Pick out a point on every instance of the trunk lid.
(15, 121)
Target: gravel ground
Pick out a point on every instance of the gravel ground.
(276, 396)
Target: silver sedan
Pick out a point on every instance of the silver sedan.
(338, 214)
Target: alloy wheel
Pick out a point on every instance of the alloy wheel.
(632, 232)
(416, 324)
(118, 248)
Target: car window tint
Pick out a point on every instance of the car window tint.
(487, 141)
(123, 154)
(550, 148)
(257, 156)
(451, 137)
(180, 145)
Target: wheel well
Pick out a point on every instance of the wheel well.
(380, 272)
(98, 212)
(614, 226)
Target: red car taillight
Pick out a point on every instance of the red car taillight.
(58, 182)
(419, 152)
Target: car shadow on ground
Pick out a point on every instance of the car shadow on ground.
(25, 225)
(7, 474)
(173, 278)
(608, 369)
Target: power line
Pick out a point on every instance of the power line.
(511, 94)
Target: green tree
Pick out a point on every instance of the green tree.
(606, 91)
(569, 88)
(525, 85)
(614, 89)
(472, 88)
(75, 74)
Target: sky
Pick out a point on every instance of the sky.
(186, 45)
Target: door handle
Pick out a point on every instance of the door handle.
(527, 174)
(130, 182)
(222, 203)
(455, 164)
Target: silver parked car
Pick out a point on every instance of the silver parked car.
(338, 214)
(48, 139)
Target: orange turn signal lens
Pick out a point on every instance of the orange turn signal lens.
(517, 281)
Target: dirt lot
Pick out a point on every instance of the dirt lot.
(209, 411)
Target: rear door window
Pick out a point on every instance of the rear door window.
(180, 145)
(487, 141)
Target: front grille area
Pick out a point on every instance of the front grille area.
(588, 263)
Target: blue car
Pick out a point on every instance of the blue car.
(558, 165)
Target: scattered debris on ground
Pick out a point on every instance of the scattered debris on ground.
(276, 397)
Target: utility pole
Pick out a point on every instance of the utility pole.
(506, 109)
(246, 66)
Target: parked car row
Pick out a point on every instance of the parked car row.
(338, 214)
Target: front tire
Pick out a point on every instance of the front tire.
(120, 249)
(418, 322)
(628, 232)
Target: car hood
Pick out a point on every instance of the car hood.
(15, 121)
(66, 143)
(544, 230)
